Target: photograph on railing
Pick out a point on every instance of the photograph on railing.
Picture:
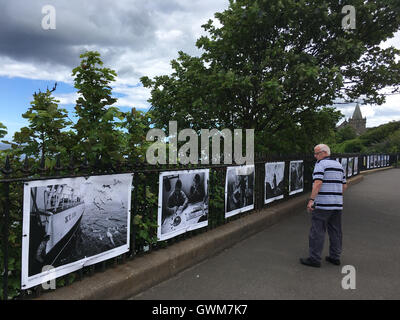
(183, 202)
(376, 162)
(344, 165)
(296, 177)
(350, 167)
(74, 222)
(355, 170)
(239, 190)
(274, 181)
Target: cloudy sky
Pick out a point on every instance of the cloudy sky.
(135, 38)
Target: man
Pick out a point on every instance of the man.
(197, 193)
(326, 205)
(177, 201)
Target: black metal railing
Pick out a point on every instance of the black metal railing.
(144, 204)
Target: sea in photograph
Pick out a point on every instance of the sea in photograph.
(102, 228)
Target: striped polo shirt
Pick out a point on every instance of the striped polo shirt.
(331, 173)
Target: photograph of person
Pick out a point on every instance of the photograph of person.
(296, 177)
(274, 181)
(239, 190)
(183, 202)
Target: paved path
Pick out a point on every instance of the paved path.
(266, 265)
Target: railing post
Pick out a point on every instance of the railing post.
(6, 171)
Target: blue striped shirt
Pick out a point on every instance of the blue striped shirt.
(331, 173)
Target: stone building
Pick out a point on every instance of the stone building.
(358, 123)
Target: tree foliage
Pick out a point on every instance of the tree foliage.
(346, 133)
(271, 65)
(96, 134)
(3, 130)
(382, 139)
(136, 124)
(45, 134)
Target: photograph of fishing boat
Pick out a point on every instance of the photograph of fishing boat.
(74, 222)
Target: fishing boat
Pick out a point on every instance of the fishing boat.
(56, 213)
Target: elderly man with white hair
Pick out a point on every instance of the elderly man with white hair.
(326, 205)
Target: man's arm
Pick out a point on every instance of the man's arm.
(315, 190)
(185, 202)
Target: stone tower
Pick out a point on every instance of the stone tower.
(358, 123)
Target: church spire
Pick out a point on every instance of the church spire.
(357, 115)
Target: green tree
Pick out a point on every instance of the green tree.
(346, 133)
(3, 130)
(136, 124)
(273, 64)
(45, 133)
(97, 135)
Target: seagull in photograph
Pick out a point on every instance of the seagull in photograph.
(109, 235)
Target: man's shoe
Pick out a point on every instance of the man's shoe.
(310, 263)
(336, 262)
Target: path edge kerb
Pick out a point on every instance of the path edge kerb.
(133, 277)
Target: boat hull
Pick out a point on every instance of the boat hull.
(60, 225)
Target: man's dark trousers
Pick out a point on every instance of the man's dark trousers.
(323, 220)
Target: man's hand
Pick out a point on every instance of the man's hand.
(309, 206)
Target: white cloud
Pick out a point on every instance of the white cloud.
(16, 69)
(66, 98)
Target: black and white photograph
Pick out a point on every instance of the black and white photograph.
(350, 167)
(274, 181)
(296, 177)
(239, 190)
(74, 222)
(183, 202)
(355, 170)
(344, 165)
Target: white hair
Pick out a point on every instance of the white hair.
(324, 147)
